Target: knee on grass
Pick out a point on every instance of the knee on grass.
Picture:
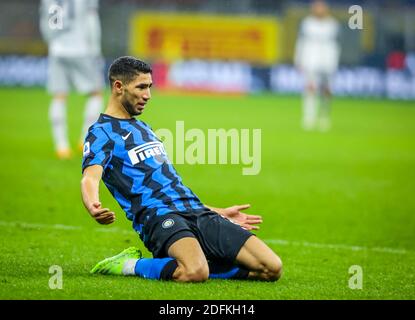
(191, 274)
(270, 271)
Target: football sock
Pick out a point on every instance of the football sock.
(325, 112)
(57, 116)
(148, 268)
(163, 269)
(309, 110)
(234, 273)
(93, 108)
(217, 271)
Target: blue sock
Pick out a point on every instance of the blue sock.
(155, 268)
(233, 273)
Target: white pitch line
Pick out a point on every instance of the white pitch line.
(19, 224)
(336, 246)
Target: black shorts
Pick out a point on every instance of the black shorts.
(219, 238)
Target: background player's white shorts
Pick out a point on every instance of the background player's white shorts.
(84, 74)
(319, 79)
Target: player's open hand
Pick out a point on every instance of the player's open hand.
(101, 215)
(246, 221)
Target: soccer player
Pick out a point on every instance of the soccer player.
(317, 57)
(72, 30)
(189, 240)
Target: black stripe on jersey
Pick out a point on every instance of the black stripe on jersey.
(116, 175)
(145, 124)
(156, 187)
(115, 126)
(165, 170)
(103, 118)
(144, 133)
(107, 148)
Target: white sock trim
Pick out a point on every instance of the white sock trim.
(129, 267)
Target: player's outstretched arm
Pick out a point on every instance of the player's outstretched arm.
(90, 195)
(234, 213)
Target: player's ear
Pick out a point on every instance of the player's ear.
(117, 86)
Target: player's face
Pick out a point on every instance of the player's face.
(137, 93)
(319, 9)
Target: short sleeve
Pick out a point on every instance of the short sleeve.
(98, 149)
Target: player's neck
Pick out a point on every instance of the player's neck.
(116, 110)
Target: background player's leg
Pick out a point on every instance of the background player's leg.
(87, 77)
(260, 260)
(57, 116)
(191, 261)
(93, 107)
(59, 86)
(310, 105)
(325, 122)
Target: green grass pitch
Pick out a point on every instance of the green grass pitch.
(329, 201)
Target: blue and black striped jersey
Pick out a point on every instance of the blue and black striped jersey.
(137, 170)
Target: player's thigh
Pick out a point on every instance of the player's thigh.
(192, 263)
(255, 255)
(87, 74)
(220, 238)
(58, 82)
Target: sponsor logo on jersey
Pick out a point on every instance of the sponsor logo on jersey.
(126, 136)
(145, 151)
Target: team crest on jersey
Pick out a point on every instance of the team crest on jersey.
(147, 150)
(168, 223)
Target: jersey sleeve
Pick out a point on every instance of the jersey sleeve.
(98, 149)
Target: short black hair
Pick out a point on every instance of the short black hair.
(126, 68)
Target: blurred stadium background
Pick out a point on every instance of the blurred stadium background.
(251, 42)
(329, 200)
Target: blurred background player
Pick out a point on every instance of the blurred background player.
(317, 55)
(72, 31)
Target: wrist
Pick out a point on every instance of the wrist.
(90, 205)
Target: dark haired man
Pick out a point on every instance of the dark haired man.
(189, 240)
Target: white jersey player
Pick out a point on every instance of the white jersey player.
(73, 33)
(317, 56)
